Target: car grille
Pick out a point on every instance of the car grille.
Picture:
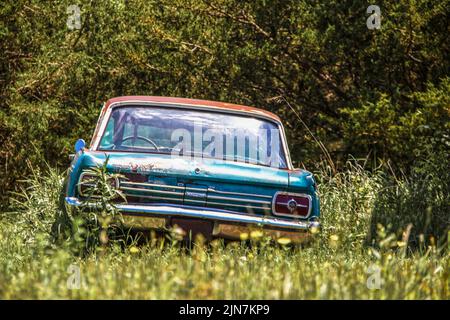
(195, 196)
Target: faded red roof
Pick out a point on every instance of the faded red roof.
(196, 103)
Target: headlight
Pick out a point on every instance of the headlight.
(89, 180)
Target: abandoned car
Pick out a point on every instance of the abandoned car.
(218, 169)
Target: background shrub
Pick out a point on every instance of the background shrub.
(421, 200)
(388, 98)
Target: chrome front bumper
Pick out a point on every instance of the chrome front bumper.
(226, 224)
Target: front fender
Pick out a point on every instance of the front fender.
(80, 162)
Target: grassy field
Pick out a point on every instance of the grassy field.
(353, 257)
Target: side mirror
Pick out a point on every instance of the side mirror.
(79, 145)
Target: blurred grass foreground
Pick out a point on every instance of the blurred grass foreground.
(383, 238)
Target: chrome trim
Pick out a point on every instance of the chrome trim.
(98, 125)
(239, 193)
(152, 197)
(197, 201)
(85, 172)
(298, 205)
(296, 195)
(196, 189)
(106, 116)
(145, 184)
(246, 202)
(239, 199)
(230, 217)
(314, 224)
(236, 205)
(287, 152)
(152, 191)
(200, 201)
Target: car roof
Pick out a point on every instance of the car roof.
(197, 103)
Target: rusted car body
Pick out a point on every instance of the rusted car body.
(219, 169)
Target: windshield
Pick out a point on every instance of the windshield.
(193, 133)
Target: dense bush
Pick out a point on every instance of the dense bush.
(421, 200)
(379, 92)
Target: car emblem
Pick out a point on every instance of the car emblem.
(195, 194)
(292, 205)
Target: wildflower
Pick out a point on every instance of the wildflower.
(244, 236)
(314, 230)
(334, 237)
(401, 244)
(134, 249)
(256, 234)
(333, 242)
(179, 231)
(284, 241)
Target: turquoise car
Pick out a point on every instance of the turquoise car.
(218, 169)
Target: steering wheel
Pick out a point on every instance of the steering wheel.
(142, 138)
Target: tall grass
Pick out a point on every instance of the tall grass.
(342, 262)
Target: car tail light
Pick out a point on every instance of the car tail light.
(291, 204)
(88, 180)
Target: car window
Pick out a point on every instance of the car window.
(107, 139)
(186, 132)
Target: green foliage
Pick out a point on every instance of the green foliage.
(337, 265)
(402, 132)
(347, 201)
(36, 206)
(421, 200)
(100, 220)
(358, 90)
(42, 217)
